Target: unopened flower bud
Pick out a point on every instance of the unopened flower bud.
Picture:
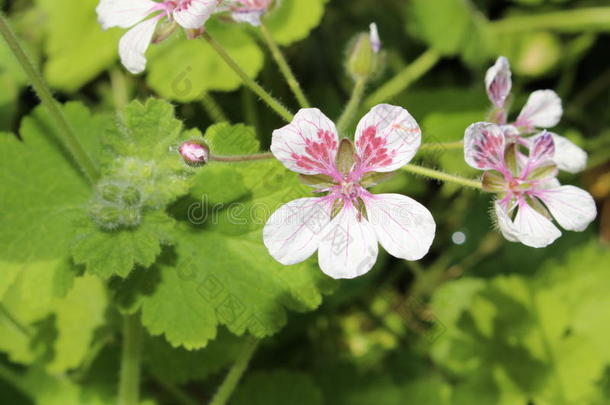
(363, 56)
(498, 82)
(195, 153)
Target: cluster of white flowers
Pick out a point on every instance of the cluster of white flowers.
(345, 223)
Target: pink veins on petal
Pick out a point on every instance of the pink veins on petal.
(320, 153)
(374, 152)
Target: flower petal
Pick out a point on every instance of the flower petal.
(124, 14)
(568, 156)
(484, 145)
(348, 247)
(507, 228)
(534, 229)
(573, 208)
(498, 82)
(542, 110)
(387, 138)
(293, 232)
(193, 14)
(375, 40)
(308, 145)
(404, 227)
(134, 44)
(252, 17)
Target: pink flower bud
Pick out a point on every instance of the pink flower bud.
(498, 82)
(195, 153)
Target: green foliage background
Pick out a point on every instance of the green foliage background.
(485, 322)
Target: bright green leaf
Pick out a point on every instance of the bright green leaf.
(293, 20)
(77, 48)
(181, 69)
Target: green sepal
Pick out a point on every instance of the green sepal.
(361, 208)
(493, 182)
(373, 178)
(538, 206)
(317, 181)
(337, 207)
(510, 157)
(345, 156)
(548, 169)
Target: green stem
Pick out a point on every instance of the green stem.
(129, 383)
(252, 85)
(82, 159)
(213, 109)
(352, 106)
(241, 158)
(279, 58)
(435, 147)
(232, 379)
(403, 79)
(583, 19)
(442, 176)
(120, 94)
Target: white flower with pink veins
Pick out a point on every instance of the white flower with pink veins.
(346, 224)
(143, 16)
(543, 109)
(529, 194)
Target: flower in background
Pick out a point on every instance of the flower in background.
(528, 194)
(542, 110)
(248, 11)
(347, 222)
(143, 17)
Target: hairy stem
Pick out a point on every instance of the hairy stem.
(279, 58)
(439, 147)
(403, 79)
(442, 176)
(581, 19)
(232, 379)
(250, 83)
(213, 109)
(352, 106)
(129, 383)
(241, 158)
(82, 159)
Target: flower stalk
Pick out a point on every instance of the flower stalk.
(129, 382)
(235, 373)
(274, 104)
(404, 78)
(442, 176)
(70, 138)
(282, 63)
(352, 106)
(565, 20)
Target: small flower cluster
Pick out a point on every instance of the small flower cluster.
(345, 222)
(523, 170)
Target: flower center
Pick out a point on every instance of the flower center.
(350, 190)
